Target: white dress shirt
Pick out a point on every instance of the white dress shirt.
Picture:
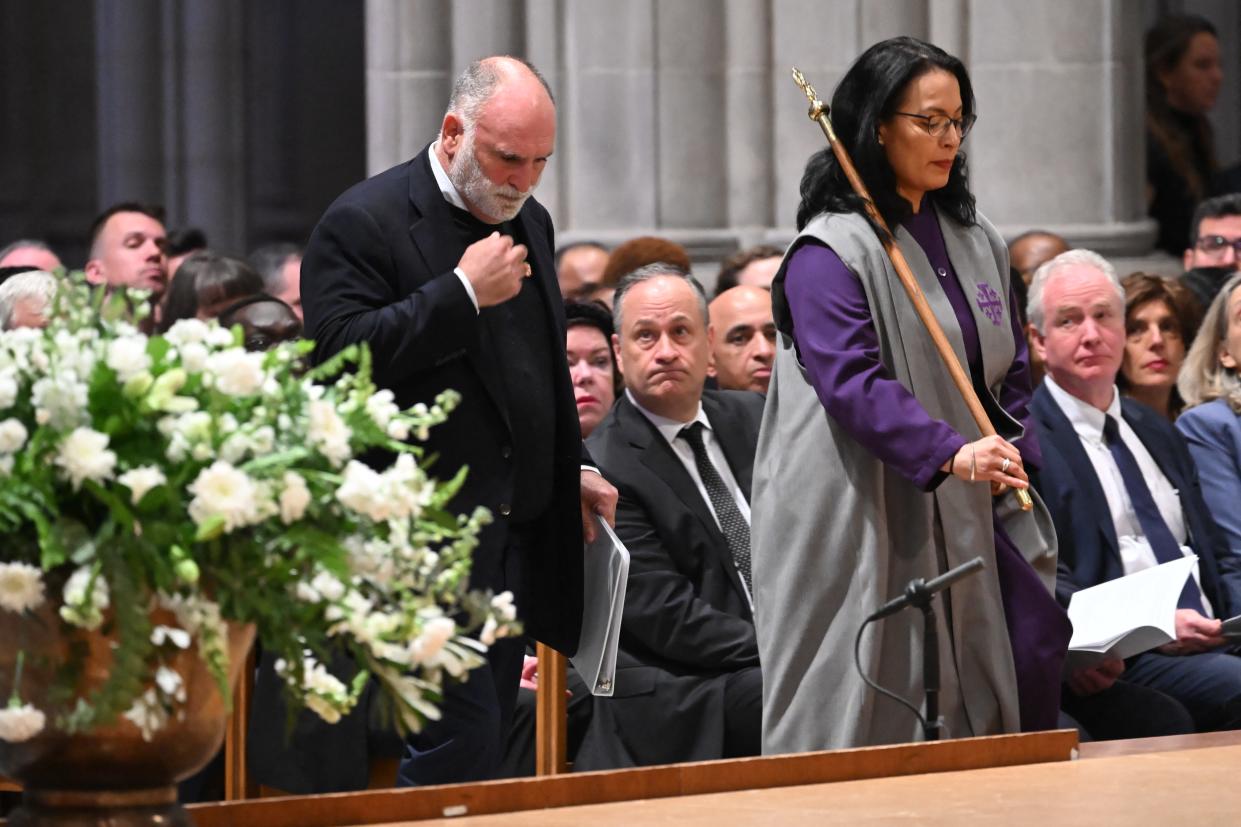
(670, 430)
(1135, 551)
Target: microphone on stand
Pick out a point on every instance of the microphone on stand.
(919, 593)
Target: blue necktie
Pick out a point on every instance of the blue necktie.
(1157, 533)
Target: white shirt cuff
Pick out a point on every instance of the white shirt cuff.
(469, 288)
(592, 468)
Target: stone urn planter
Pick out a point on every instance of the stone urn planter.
(109, 775)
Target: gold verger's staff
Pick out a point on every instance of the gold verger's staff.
(818, 113)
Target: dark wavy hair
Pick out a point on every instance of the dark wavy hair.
(205, 279)
(867, 96)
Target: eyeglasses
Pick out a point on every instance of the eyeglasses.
(1216, 244)
(937, 125)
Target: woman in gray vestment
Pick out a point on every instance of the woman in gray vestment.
(870, 470)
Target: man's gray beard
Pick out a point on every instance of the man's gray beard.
(467, 176)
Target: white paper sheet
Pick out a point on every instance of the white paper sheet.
(606, 576)
(1126, 616)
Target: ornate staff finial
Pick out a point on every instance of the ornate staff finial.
(804, 85)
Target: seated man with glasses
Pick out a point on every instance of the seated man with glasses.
(1216, 251)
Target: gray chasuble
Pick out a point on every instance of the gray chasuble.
(836, 532)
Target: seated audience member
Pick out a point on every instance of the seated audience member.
(1183, 78)
(1122, 488)
(744, 344)
(127, 249)
(688, 686)
(592, 364)
(26, 299)
(751, 267)
(265, 321)
(639, 252)
(1026, 253)
(206, 284)
(280, 265)
(29, 252)
(1029, 250)
(181, 243)
(579, 267)
(1213, 257)
(1160, 318)
(8, 272)
(600, 294)
(1211, 423)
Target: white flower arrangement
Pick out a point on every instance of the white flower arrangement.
(183, 474)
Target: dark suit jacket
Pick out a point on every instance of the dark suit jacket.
(379, 269)
(687, 622)
(1089, 550)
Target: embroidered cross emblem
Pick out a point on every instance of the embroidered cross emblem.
(990, 304)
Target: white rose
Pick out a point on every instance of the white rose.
(20, 723)
(141, 480)
(435, 633)
(60, 401)
(8, 389)
(224, 491)
(187, 331)
(80, 608)
(21, 587)
(328, 432)
(381, 407)
(12, 436)
(194, 357)
(328, 586)
(362, 491)
(170, 683)
(502, 605)
(294, 498)
(83, 455)
(128, 357)
(237, 372)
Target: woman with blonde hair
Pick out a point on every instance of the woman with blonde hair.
(1210, 384)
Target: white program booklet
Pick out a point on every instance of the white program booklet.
(606, 575)
(1126, 616)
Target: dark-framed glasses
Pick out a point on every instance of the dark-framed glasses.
(1216, 244)
(937, 125)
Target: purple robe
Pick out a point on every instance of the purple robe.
(837, 343)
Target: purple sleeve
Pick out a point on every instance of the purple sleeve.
(836, 338)
(1016, 392)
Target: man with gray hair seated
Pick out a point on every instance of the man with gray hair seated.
(688, 685)
(29, 252)
(25, 299)
(1123, 492)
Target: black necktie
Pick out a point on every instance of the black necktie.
(1157, 533)
(736, 529)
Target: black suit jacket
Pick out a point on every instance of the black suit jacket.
(1089, 550)
(687, 621)
(379, 269)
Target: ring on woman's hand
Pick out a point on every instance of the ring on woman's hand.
(1004, 465)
